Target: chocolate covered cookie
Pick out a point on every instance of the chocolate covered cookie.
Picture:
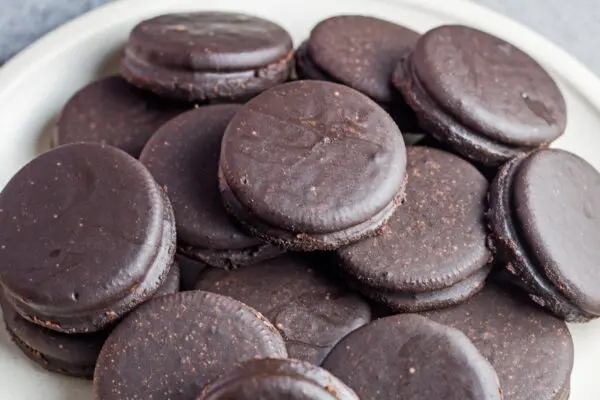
(173, 346)
(312, 165)
(544, 219)
(207, 56)
(68, 354)
(111, 111)
(277, 379)
(86, 234)
(433, 253)
(183, 157)
(480, 95)
(411, 357)
(531, 350)
(360, 52)
(298, 295)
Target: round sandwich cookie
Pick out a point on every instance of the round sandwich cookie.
(86, 234)
(532, 351)
(309, 308)
(360, 52)
(207, 56)
(312, 165)
(544, 215)
(275, 379)
(173, 346)
(480, 95)
(183, 157)
(411, 357)
(433, 252)
(111, 111)
(67, 354)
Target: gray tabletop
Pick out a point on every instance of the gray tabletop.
(573, 24)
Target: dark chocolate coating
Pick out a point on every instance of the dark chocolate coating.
(435, 240)
(313, 158)
(531, 350)
(73, 355)
(210, 41)
(303, 241)
(207, 56)
(86, 234)
(111, 111)
(410, 357)
(310, 309)
(411, 302)
(514, 254)
(430, 141)
(172, 346)
(68, 354)
(186, 85)
(557, 210)
(446, 128)
(320, 136)
(402, 114)
(490, 86)
(183, 157)
(360, 52)
(276, 379)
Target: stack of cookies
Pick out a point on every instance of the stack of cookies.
(318, 256)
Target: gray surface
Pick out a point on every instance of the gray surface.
(23, 21)
(573, 24)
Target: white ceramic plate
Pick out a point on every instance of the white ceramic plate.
(35, 84)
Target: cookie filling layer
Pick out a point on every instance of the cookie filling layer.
(423, 301)
(50, 363)
(445, 127)
(305, 241)
(203, 85)
(508, 241)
